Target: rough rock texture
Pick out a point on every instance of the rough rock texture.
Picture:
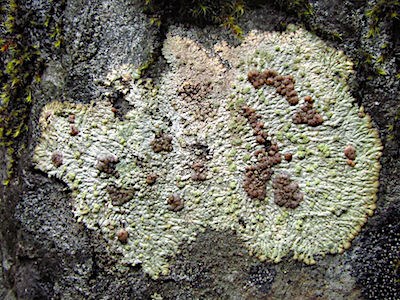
(46, 254)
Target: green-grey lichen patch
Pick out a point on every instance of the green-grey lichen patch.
(197, 179)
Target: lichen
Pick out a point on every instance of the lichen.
(199, 181)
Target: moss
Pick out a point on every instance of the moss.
(21, 64)
(198, 12)
(300, 8)
(22, 68)
(382, 10)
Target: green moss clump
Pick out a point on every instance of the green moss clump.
(199, 12)
(22, 65)
(301, 8)
(382, 10)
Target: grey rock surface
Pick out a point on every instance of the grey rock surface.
(46, 254)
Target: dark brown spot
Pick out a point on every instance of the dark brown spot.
(175, 202)
(71, 118)
(350, 152)
(284, 84)
(107, 164)
(288, 156)
(308, 99)
(120, 196)
(307, 114)
(351, 163)
(286, 191)
(258, 175)
(151, 178)
(122, 235)
(162, 142)
(57, 158)
(74, 131)
(200, 171)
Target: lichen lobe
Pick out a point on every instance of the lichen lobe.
(220, 147)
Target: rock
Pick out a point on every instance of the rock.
(48, 251)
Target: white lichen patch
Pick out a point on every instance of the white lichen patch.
(198, 104)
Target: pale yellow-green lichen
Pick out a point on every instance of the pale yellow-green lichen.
(198, 103)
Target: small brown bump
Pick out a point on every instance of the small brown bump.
(293, 100)
(260, 140)
(288, 156)
(57, 158)
(108, 164)
(74, 131)
(200, 171)
(175, 202)
(122, 235)
(306, 107)
(71, 118)
(263, 134)
(315, 120)
(308, 99)
(290, 87)
(291, 93)
(162, 142)
(253, 74)
(273, 73)
(274, 147)
(351, 163)
(256, 79)
(269, 73)
(199, 177)
(277, 158)
(151, 178)
(259, 152)
(258, 83)
(250, 168)
(119, 196)
(286, 191)
(269, 81)
(260, 124)
(248, 111)
(114, 110)
(350, 152)
(307, 115)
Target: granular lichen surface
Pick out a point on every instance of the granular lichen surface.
(176, 164)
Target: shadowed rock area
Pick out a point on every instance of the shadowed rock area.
(48, 253)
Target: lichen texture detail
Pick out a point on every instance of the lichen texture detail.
(190, 153)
